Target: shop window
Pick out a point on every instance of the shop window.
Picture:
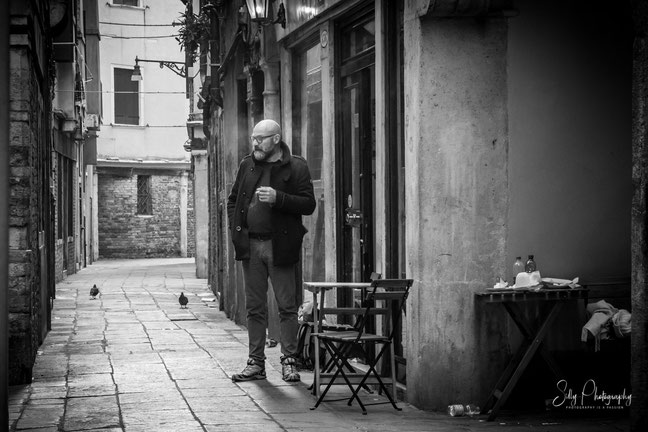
(309, 98)
(144, 201)
(359, 39)
(126, 97)
(307, 141)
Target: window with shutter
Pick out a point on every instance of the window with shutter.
(126, 97)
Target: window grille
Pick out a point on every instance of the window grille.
(144, 201)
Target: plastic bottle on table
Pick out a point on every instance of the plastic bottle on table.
(530, 265)
(518, 267)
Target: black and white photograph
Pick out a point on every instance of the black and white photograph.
(323, 215)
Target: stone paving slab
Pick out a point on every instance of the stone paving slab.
(84, 413)
(265, 427)
(193, 426)
(133, 360)
(39, 416)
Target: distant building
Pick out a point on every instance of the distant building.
(144, 204)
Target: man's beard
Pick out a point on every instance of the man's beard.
(259, 155)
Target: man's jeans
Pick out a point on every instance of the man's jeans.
(255, 272)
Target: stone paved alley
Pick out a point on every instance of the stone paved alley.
(132, 360)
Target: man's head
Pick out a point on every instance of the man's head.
(266, 137)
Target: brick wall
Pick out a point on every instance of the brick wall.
(28, 153)
(125, 234)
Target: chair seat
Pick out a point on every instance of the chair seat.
(331, 335)
(337, 327)
(352, 336)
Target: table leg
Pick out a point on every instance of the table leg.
(315, 313)
(317, 328)
(505, 377)
(527, 331)
(524, 362)
(314, 340)
(316, 370)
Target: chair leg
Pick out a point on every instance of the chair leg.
(339, 361)
(316, 372)
(392, 360)
(381, 384)
(389, 396)
(329, 366)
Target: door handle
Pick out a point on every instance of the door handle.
(353, 217)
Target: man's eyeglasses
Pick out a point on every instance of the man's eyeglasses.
(259, 138)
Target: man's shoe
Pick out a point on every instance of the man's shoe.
(252, 371)
(289, 369)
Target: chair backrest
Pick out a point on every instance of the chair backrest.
(394, 293)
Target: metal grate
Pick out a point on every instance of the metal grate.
(144, 201)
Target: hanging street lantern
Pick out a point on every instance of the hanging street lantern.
(260, 13)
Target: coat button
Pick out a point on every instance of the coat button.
(285, 232)
(242, 211)
(238, 228)
(244, 193)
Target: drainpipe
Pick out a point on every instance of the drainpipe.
(4, 213)
(271, 97)
(269, 63)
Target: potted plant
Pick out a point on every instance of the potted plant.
(194, 31)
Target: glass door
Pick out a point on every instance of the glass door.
(356, 151)
(358, 169)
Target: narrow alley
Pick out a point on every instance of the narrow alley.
(453, 145)
(133, 360)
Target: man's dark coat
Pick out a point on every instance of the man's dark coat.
(295, 197)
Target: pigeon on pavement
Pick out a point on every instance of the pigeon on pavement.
(94, 292)
(183, 300)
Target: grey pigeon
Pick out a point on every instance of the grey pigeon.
(183, 300)
(94, 292)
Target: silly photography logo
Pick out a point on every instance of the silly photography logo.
(589, 396)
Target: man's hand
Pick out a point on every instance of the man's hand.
(267, 194)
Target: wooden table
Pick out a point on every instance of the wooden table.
(534, 334)
(318, 315)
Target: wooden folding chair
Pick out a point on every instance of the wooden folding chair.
(384, 297)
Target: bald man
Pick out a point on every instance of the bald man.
(271, 193)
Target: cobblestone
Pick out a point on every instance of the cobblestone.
(132, 360)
